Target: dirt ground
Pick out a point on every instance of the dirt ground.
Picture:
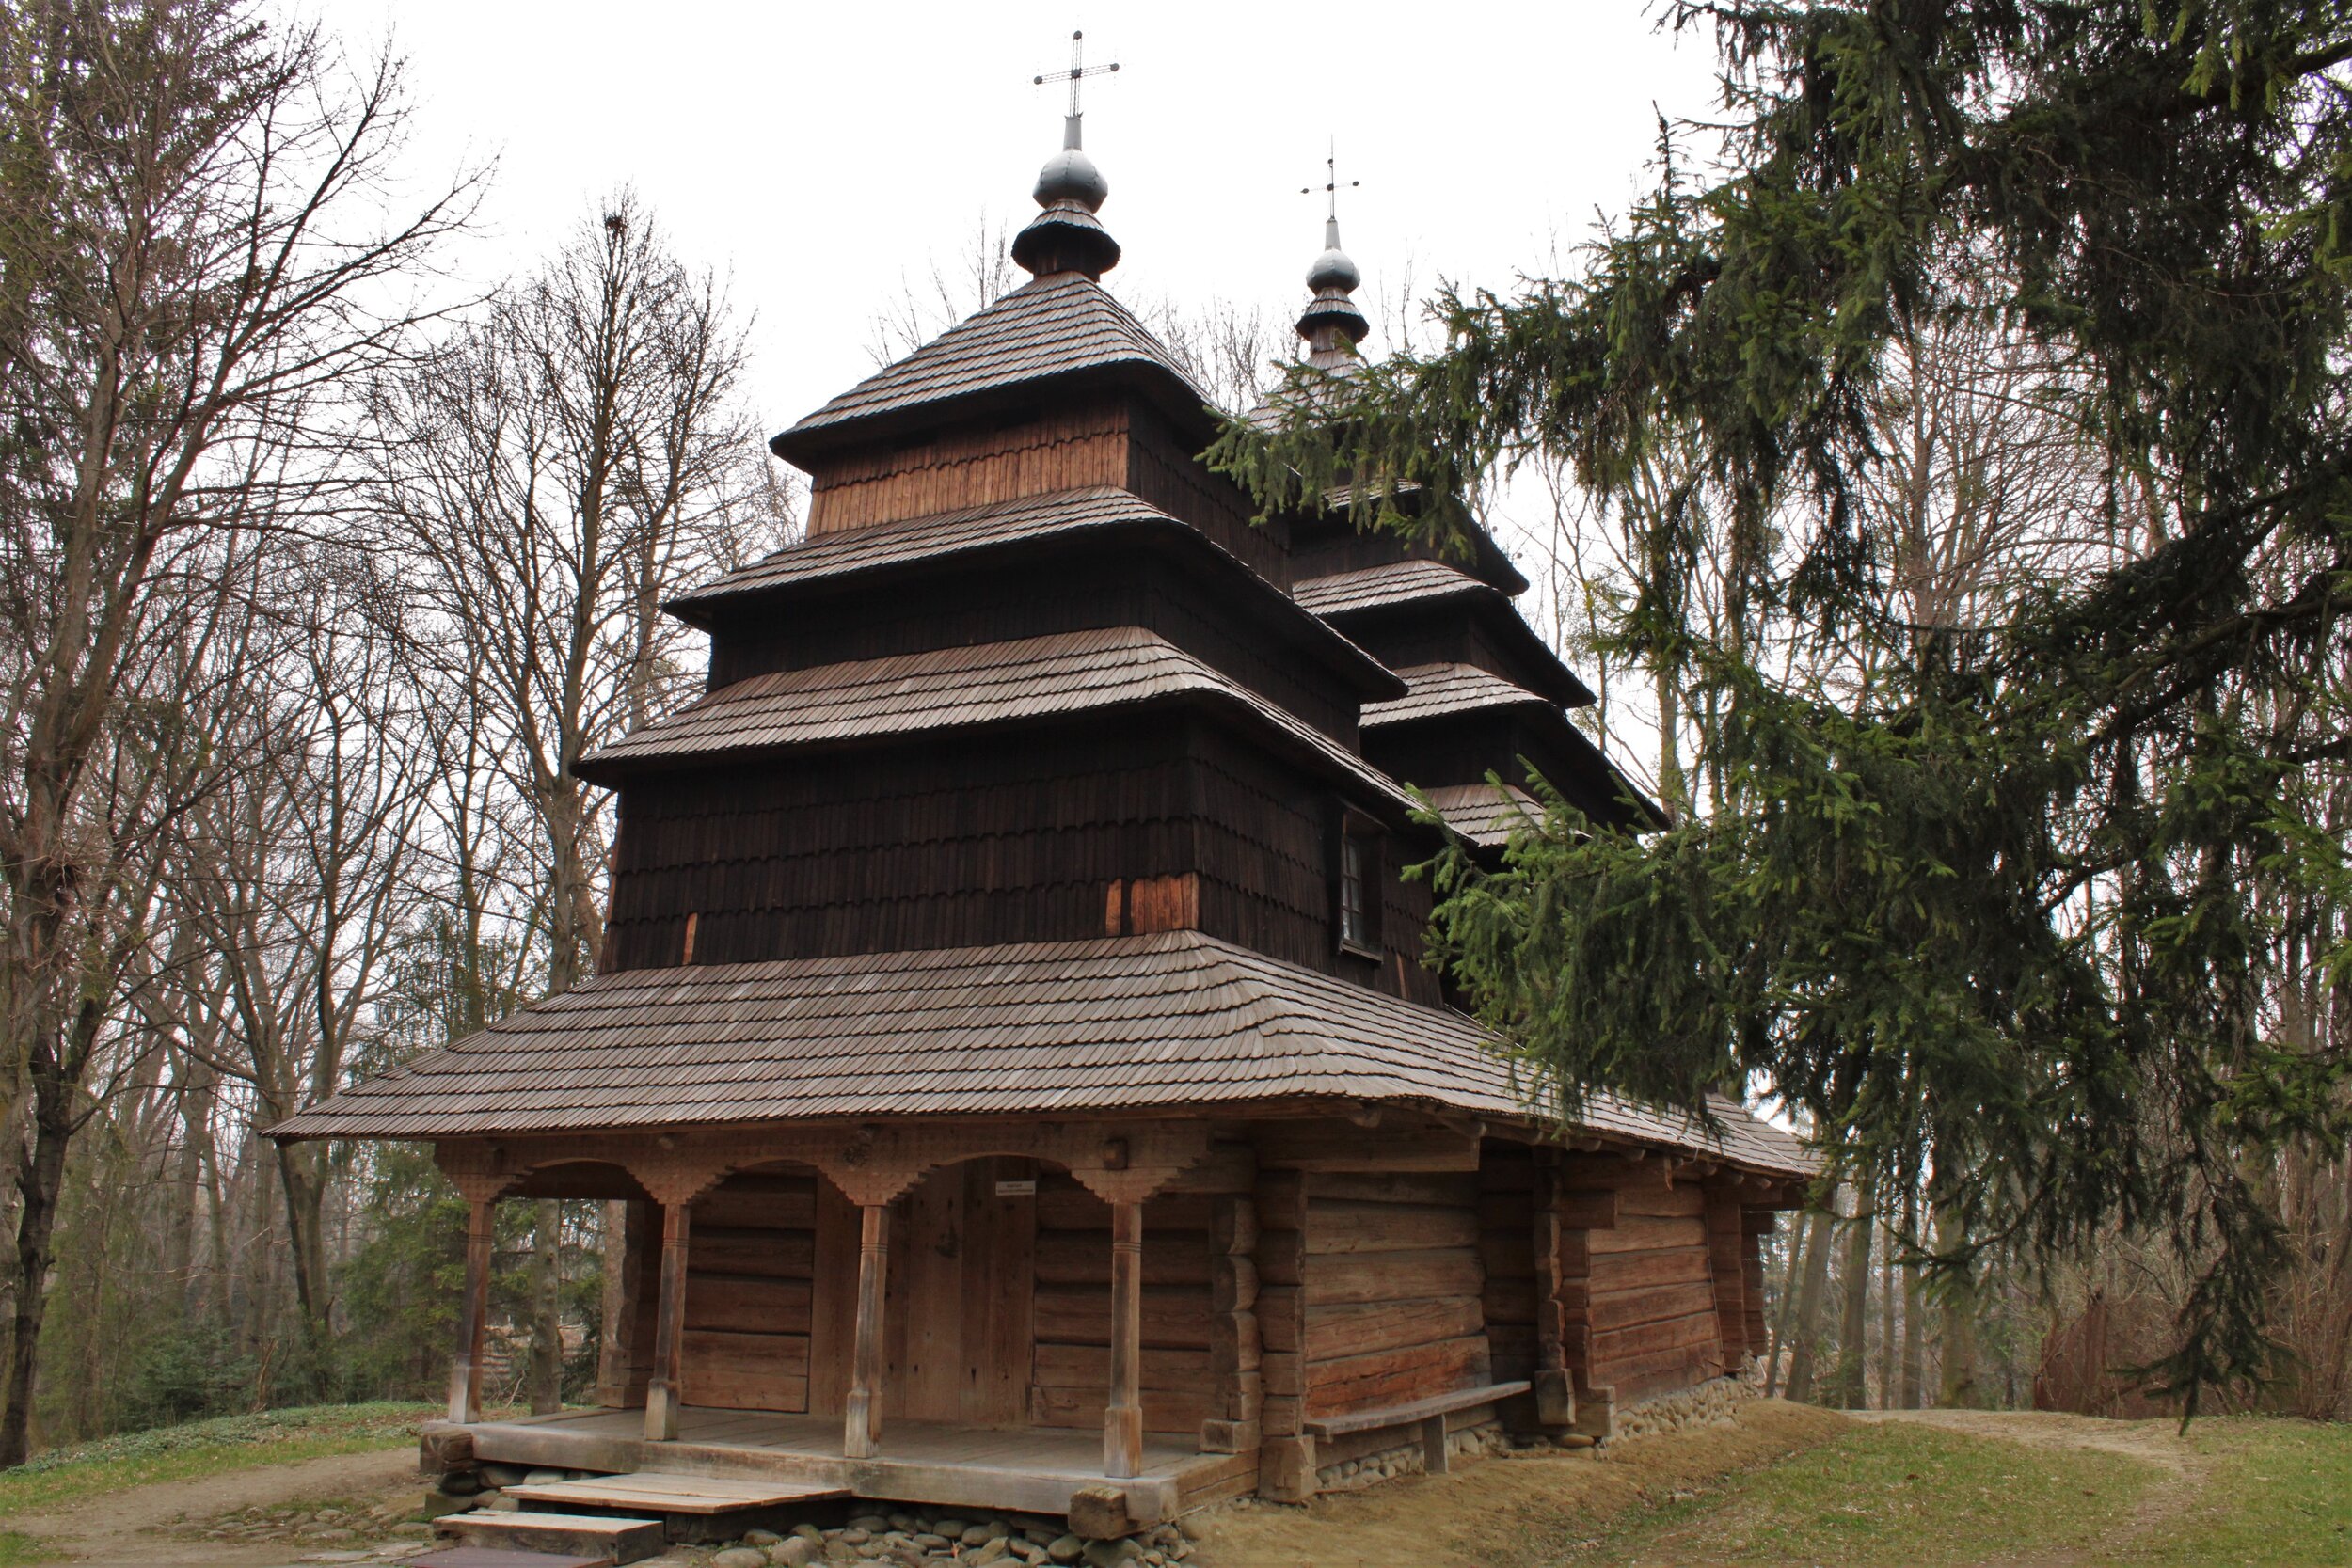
(135, 1528)
(1507, 1513)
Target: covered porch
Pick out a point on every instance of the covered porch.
(1038, 1470)
(950, 1316)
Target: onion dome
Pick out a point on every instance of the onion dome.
(1332, 323)
(1066, 236)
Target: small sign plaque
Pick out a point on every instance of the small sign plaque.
(1017, 1189)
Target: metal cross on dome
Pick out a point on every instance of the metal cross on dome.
(1332, 182)
(1077, 72)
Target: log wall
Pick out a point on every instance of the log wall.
(1650, 1320)
(750, 1260)
(1391, 1290)
(1506, 1252)
(1070, 1371)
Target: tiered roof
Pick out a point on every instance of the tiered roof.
(1042, 1028)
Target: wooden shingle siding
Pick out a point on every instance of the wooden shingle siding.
(1163, 470)
(1099, 590)
(1072, 1366)
(1007, 839)
(1072, 446)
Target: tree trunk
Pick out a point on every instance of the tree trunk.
(1914, 1315)
(1959, 1324)
(547, 1309)
(1890, 1337)
(1809, 1297)
(39, 1184)
(1853, 1329)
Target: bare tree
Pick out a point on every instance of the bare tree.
(197, 256)
(548, 478)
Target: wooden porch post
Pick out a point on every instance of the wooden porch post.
(1122, 1416)
(465, 1369)
(662, 1392)
(860, 1435)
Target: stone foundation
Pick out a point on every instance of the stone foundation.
(1406, 1458)
(1710, 1404)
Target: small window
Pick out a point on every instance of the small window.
(1359, 890)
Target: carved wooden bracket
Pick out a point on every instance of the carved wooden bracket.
(871, 1164)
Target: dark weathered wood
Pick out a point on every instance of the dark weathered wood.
(1122, 1420)
(1553, 1387)
(473, 1313)
(861, 1410)
(664, 1392)
(1414, 1411)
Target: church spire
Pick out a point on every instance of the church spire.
(1332, 323)
(1066, 236)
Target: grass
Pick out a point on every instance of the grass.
(2273, 1491)
(1894, 1494)
(63, 1476)
(2260, 1492)
(20, 1550)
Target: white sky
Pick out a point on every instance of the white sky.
(818, 153)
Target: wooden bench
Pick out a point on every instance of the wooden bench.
(1429, 1415)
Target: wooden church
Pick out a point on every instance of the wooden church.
(1012, 1042)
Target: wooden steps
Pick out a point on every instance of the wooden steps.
(488, 1557)
(582, 1537)
(661, 1492)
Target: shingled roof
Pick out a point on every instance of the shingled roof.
(1392, 582)
(1065, 325)
(1482, 813)
(1120, 1023)
(1439, 691)
(1033, 677)
(1342, 596)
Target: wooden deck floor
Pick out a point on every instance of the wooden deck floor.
(1032, 1469)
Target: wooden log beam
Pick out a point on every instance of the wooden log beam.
(664, 1391)
(1555, 1396)
(861, 1431)
(1123, 1414)
(473, 1313)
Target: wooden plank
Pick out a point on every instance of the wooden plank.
(748, 1305)
(1178, 1411)
(1000, 1273)
(1064, 1205)
(833, 1301)
(1175, 1317)
(1338, 1146)
(1615, 1309)
(1684, 1200)
(665, 1492)
(1338, 1226)
(1090, 1367)
(1413, 1411)
(1341, 1278)
(1446, 1189)
(1334, 1332)
(1394, 1377)
(1123, 1419)
(1084, 1258)
(1647, 1233)
(729, 1207)
(1624, 1271)
(763, 1254)
(1695, 1332)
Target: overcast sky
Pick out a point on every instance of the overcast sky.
(817, 155)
